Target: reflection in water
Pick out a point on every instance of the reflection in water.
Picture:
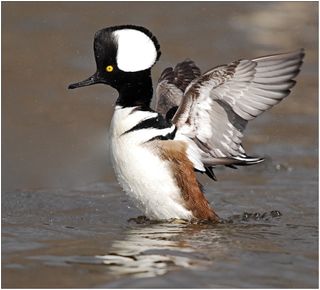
(154, 250)
(151, 250)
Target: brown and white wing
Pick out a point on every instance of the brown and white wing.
(217, 106)
(172, 84)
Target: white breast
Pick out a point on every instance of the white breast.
(142, 174)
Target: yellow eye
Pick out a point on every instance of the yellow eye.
(109, 68)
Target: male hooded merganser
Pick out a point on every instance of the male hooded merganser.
(197, 124)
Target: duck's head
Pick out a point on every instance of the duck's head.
(122, 52)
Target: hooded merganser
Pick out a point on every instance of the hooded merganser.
(197, 124)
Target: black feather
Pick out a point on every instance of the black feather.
(210, 173)
(157, 122)
(171, 113)
(181, 76)
(232, 166)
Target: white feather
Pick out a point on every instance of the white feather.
(193, 151)
(136, 50)
(143, 175)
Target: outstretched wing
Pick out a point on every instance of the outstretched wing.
(216, 106)
(172, 84)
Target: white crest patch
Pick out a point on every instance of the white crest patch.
(136, 50)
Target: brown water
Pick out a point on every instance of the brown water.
(65, 219)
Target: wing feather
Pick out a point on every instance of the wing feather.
(217, 105)
(172, 84)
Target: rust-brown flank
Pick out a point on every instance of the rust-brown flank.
(182, 167)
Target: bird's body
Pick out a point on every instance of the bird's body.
(197, 124)
(141, 171)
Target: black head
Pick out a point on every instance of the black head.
(122, 53)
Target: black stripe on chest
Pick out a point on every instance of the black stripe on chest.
(169, 136)
(152, 123)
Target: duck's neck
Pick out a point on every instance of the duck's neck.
(136, 90)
